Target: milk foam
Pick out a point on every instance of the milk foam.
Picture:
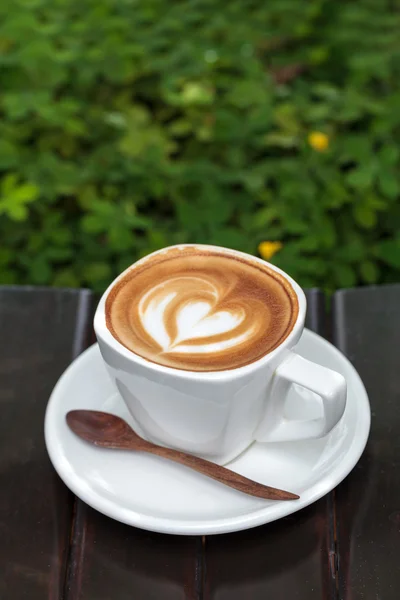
(201, 310)
(152, 319)
(194, 319)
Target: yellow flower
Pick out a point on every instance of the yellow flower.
(318, 140)
(268, 249)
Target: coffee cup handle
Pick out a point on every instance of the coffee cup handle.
(328, 384)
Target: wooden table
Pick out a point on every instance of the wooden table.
(54, 547)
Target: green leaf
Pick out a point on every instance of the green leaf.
(375, 202)
(66, 278)
(318, 55)
(60, 236)
(265, 216)
(9, 154)
(369, 271)
(16, 212)
(197, 94)
(96, 271)
(389, 184)
(58, 254)
(287, 118)
(389, 252)
(389, 155)
(232, 238)
(352, 252)
(364, 215)
(248, 93)
(180, 128)
(344, 275)
(310, 243)
(8, 183)
(93, 224)
(120, 238)
(253, 181)
(27, 192)
(40, 271)
(360, 178)
(6, 256)
(281, 140)
(356, 147)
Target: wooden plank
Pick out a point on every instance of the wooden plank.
(41, 331)
(289, 559)
(112, 560)
(367, 330)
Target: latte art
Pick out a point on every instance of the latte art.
(188, 314)
(201, 310)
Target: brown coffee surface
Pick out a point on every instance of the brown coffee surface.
(201, 310)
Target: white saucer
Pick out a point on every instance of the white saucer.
(153, 493)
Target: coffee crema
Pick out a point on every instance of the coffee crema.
(201, 309)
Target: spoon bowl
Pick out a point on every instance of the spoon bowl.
(104, 429)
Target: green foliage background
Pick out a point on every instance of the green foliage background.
(128, 125)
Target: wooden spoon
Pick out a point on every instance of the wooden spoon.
(109, 431)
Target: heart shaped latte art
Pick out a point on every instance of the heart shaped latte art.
(200, 309)
(192, 315)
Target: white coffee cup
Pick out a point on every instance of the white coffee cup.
(218, 414)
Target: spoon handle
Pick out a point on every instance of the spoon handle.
(222, 474)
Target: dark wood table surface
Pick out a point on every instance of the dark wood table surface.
(54, 547)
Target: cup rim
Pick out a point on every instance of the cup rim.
(105, 335)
